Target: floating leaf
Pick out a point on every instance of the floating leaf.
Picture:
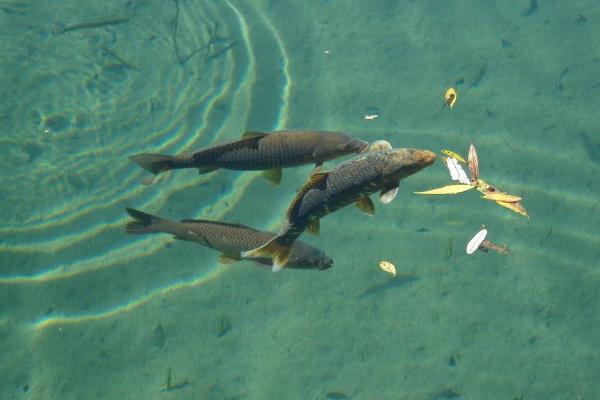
(474, 243)
(454, 155)
(450, 189)
(388, 267)
(450, 98)
(487, 245)
(457, 173)
(516, 207)
(473, 163)
(503, 197)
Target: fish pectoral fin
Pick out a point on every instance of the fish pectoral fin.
(314, 227)
(277, 249)
(273, 176)
(253, 134)
(365, 204)
(148, 180)
(229, 258)
(206, 170)
(388, 195)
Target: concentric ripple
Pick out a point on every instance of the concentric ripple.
(185, 81)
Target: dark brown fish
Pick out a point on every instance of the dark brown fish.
(349, 182)
(229, 239)
(257, 151)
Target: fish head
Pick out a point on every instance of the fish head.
(335, 144)
(305, 256)
(401, 163)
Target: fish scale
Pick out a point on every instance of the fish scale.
(349, 182)
(230, 239)
(259, 151)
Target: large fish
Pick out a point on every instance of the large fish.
(229, 239)
(349, 182)
(257, 151)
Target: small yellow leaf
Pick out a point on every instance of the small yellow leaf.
(450, 97)
(388, 267)
(503, 197)
(452, 154)
(450, 189)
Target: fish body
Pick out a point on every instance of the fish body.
(349, 182)
(257, 151)
(229, 239)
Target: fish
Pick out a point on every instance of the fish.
(230, 239)
(352, 181)
(256, 151)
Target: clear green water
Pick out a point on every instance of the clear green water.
(81, 302)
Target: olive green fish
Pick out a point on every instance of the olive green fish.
(257, 151)
(349, 182)
(229, 239)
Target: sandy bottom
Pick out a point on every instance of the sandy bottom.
(89, 312)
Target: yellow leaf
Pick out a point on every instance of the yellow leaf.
(450, 97)
(450, 189)
(516, 207)
(388, 267)
(452, 154)
(504, 197)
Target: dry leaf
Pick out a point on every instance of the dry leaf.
(388, 267)
(452, 154)
(516, 207)
(450, 98)
(503, 197)
(473, 163)
(450, 189)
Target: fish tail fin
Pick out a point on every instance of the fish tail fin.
(154, 163)
(278, 249)
(142, 222)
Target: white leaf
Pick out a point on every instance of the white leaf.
(474, 243)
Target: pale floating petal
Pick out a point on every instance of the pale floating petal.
(474, 243)
(388, 196)
(450, 189)
(503, 197)
(452, 154)
(516, 207)
(473, 163)
(457, 173)
(388, 267)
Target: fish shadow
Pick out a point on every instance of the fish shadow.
(395, 283)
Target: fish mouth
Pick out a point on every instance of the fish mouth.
(424, 157)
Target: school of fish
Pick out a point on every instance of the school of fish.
(374, 168)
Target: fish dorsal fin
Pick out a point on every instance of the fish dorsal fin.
(273, 176)
(206, 221)
(317, 180)
(380, 145)
(229, 258)
(365, 204)
(388, 195)
(253, 134)
(314, 227)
